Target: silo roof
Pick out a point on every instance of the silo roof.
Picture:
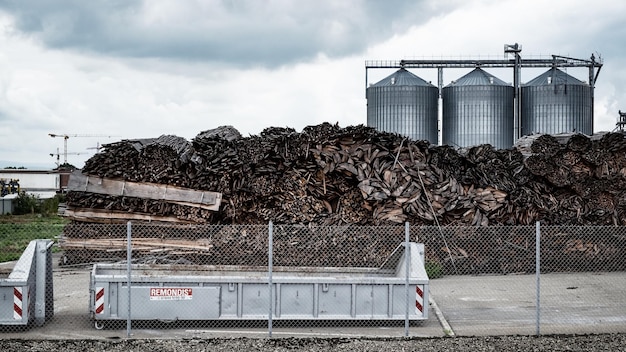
(554, 76)
(402, 77)
(478, 77)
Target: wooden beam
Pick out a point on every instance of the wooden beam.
(107, 216)
(80, 182)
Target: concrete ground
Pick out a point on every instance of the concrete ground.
(573, 303)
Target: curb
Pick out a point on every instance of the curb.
(447, 329)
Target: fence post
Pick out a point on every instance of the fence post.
(49, 311)
(269, 266)
(129, 251)
(538, 275)
(44, 292)
(407, 269)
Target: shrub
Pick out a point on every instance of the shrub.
(29, 204)
(433, 269)
(26, 204)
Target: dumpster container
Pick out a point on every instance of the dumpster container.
(26, 294)
(177, 292)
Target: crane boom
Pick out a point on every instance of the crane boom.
(57, 154)
(66, 136)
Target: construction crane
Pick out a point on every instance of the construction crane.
(97, 147)
(57, 154)
(67, 136)
(621, 122)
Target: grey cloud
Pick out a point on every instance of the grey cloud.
(247, 32)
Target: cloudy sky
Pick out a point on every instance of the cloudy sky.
(116, 69)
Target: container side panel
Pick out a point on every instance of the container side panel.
(371, 301)
(335, 300)
(229, 295)
(380, 294)
(364, 301)
(296, 300)
(111, 298)
(418, 301)
(399, 300)
(6, 304)
(255, 300)
(171, 303)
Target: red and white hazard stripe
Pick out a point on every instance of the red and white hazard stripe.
(419, 299)
(17, 303)
(99, 300)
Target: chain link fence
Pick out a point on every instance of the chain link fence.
(580, 288)
(353, 280)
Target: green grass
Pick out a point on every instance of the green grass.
(16, 231)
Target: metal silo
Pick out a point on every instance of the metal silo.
(478, 109)
(556, 102)
(406, 104)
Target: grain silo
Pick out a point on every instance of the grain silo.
(556, 102)
(478, 109)
(405, 104)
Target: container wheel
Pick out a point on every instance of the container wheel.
(99, 325)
